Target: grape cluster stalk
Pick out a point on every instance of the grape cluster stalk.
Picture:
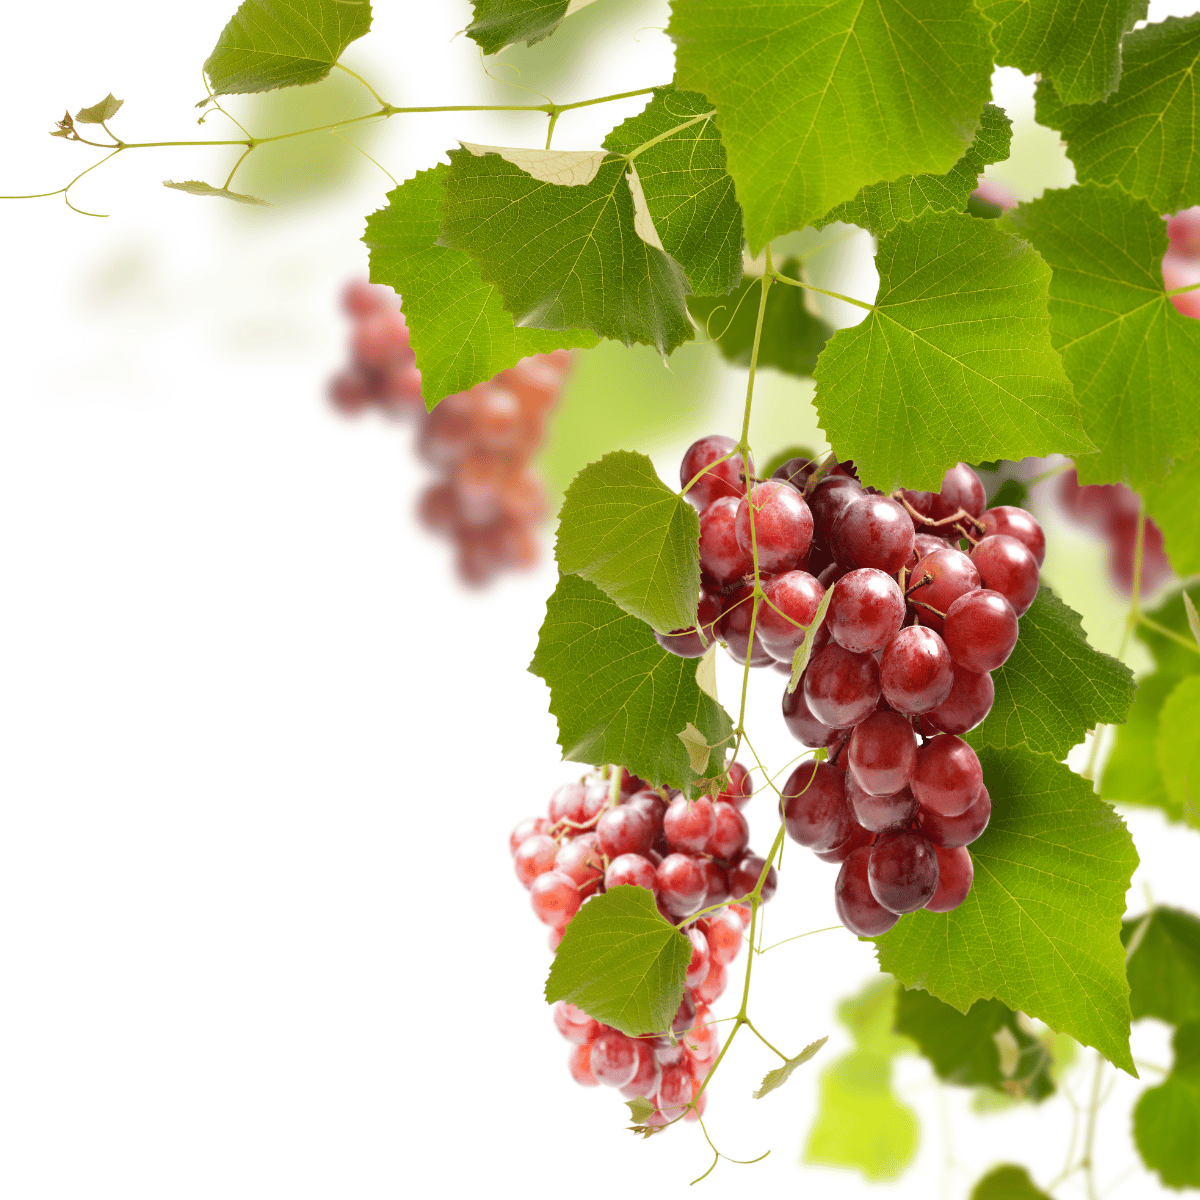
(925, 591)
(488, 498)
(694, 858)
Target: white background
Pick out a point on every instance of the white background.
(259, 933)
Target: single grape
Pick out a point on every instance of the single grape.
(668, 1054)
(724, 480)
(646, 1076)
(630, 784)
(697, 970)
(815, 810)
(827, 501)
(961, 489)
(841, 688)
(734, 628)
(743, 877)
(916, 671)
(632, 869)
(731, 833)
(956, 872)
(856, 907)
(574, 1024)
(624, 830)
(947, 776)
(695, 639)
(873, 531)
(1007, 566)
(595, 801)
(923, 544)
(791, 603)
(1017, 523)
(714, 984)
(566, 803)
(555, 898)
(742, 912)
(962, 830)
(981, 630)
(951, 574)
(652, 806)
(685, 1014)
(902, 870)
(689, 824)
(782, 526)
(878, 813)
(579, 1063)
(739, 788)
(535, 856)
(722, 560)
(581, 860)
(832, 574)
(802, 725)
(965, 706)
(724, 938)
(681, 884)
(614, 1058)
(865, 611)
(527, 828)
(716, 883)
(795, 471)
(858, 837)
(674, 1092)
(883, 751)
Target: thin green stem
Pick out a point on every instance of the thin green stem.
(797, 937)
(229, 180)
(1168, 633)
(356, 75)
(824, 291)
(615, 96)
(1087, 1163)
(750, 1025)
(669, 133)
(1191, 287)
(550, 128)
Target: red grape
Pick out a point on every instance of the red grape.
(581, 861)
(951, 573)
(716, 883)
(782, 526)
(981, 630)
(734, 628)
(632, 869)
(877, 813)
(961, 489)
(1016, 522)
(916, 672)
(795, 471)
(738, 790)
(841, 688)
(1007, 566)
(698, 964)
(968, 702)
(724, 480)
(646, 1075)
(685, 1014)
(674, 1092)
(722, 560)
(902, 870)
(652, 806)
(689, 824)
(956, 872)
(858, 837)
(567, 803)
(535, 856)
(947, 777)
(791, 602)
(827, 501)
(574, 1024)
(555, 898)
(873, 531)
(962, 830)
(858, 909)
(695, 639)
(803, 726)
(865, 611)
(579, 1063)
(724, 938)
(624, 830)
(527, 828)
(714, 984)
(743, 878)
(883, 751)
(815, 810)
(731, 834)
(614, 1058)
(681, 884)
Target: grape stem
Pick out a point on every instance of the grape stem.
(777, 278)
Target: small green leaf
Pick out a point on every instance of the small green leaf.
(500, 23)
(778, 1077)
(271, 44)
(1174, 505)
(1078, 45)
(1143, 137)
(640, 1109)
(1163, 949)
(621, 962)
(638, 541)
(804, 650)
(618, 695)
(706, 672)
(1177, 746)
(954, 362)
(565, 257)
(698, 749)
(97, 114)
(816, 98)
(197, 187)
(880, 206)
(1040, 929)
(458, 328)
(1166, 1121)
(792, 337)
(689, 193)
(1007, 1183)
(1054, 686)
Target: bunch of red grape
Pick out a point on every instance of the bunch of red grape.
(691, 855)
(898, 668)
(1181, 263)
(489, 500)
(1112, 510)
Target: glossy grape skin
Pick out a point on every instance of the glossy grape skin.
(646, 1075)
(902, 871)
(858, 837)
(566, 803)
(624, 830)
(879, 813)
(681, 884)
(802, 725)
(581, 861)
(674, 1092)
(828, 500)
(883, 751)
(555, 898)
(952, 573)
(797, 594)
(685, 1014)
(734, 629)
(961, 489)
(980, 630)
(743, 878)
(714, 984)
(962, 830)
(614, 1060)
(916, 671)
(722, 560)
(653, 806)
(595, 801)
(731, 833)
(633, 869)
(724, 480)
(526, 828)
(856, 907)
(947, 777)
(693, 641)
(841, 688)
(579, 1063)
(795, 471)
(866, 610)
(535, 856)
(923, 544)
(689, 824)
(873, 531)
(956, 872)
(1017, 523)
(724, 938)
(716, 883)
(739, 790)
(967, 704)
(574, 1024)
(1007, 566)
(783, 526)
(815, 810)
(697, 970)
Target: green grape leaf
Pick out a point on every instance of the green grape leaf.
(271, 44)
(565, 257)
(817, 98)
(97, 114)
(458, 328)
(638, 541)
(1129, 353)
(804, 650)
(640, 1109)
(500, 23)
(1078, 45)
(1131, 775)
(621, 962)
(1054, 686)
(1174, 506)
(617, 694)
(1040, 929)
(197, 187)
(861, 1123)
(954, 361)
(1007, 1182)
(688, 190)
(1166, 1121)
(1143, 137)
(1177, 747)
(964, 1048)
(879, 206)
(792, 337)
(1163, 965)
(778, 1077)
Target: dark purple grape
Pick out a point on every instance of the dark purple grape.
(858, 909)
(962, 830)
(688, 643)
(902, 871)
(878, 813)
